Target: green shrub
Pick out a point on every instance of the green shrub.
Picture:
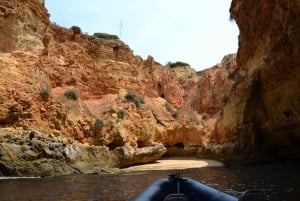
(177, 63)
(174, 113)
(121, 113)
(133, 97)
(45, 93)
(168, 107)
(76, 29)
(45, 90)
(71, 94)
(106, 36)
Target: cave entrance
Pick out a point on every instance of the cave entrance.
(179, 145)
(180, 149)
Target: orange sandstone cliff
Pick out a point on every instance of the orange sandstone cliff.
(122, 110)
(262, 117)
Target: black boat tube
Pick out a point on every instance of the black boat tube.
(192, 189)
(199, 191)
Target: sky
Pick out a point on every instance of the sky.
(197, 32)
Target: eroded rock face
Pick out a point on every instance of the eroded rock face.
(38, 154)
(22, 25)
(129, 156)
(127, 110)
(212, 90)
(262, 114)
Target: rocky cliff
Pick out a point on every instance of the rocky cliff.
(261, 119)
(74, 103)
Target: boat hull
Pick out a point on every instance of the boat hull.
(187, 189)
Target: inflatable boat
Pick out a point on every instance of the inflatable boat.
(176, 188)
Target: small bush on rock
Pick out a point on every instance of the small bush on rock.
(45, 92)
(177, 63)
(106, 36)
(71, 94)
(76, 29)
(133, 97)
(174, 113)
(121, 113)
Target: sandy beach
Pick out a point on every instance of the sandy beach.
(168, 163)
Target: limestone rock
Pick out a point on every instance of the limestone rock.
(22, 25)
(262, 114)
(128, 156)
(37, 154)
(173, 111)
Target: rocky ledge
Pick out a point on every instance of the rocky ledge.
(33, 153)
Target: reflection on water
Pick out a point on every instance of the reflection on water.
(280, 181)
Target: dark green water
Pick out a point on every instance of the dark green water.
(279, 181)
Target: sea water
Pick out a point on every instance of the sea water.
(280, 182)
